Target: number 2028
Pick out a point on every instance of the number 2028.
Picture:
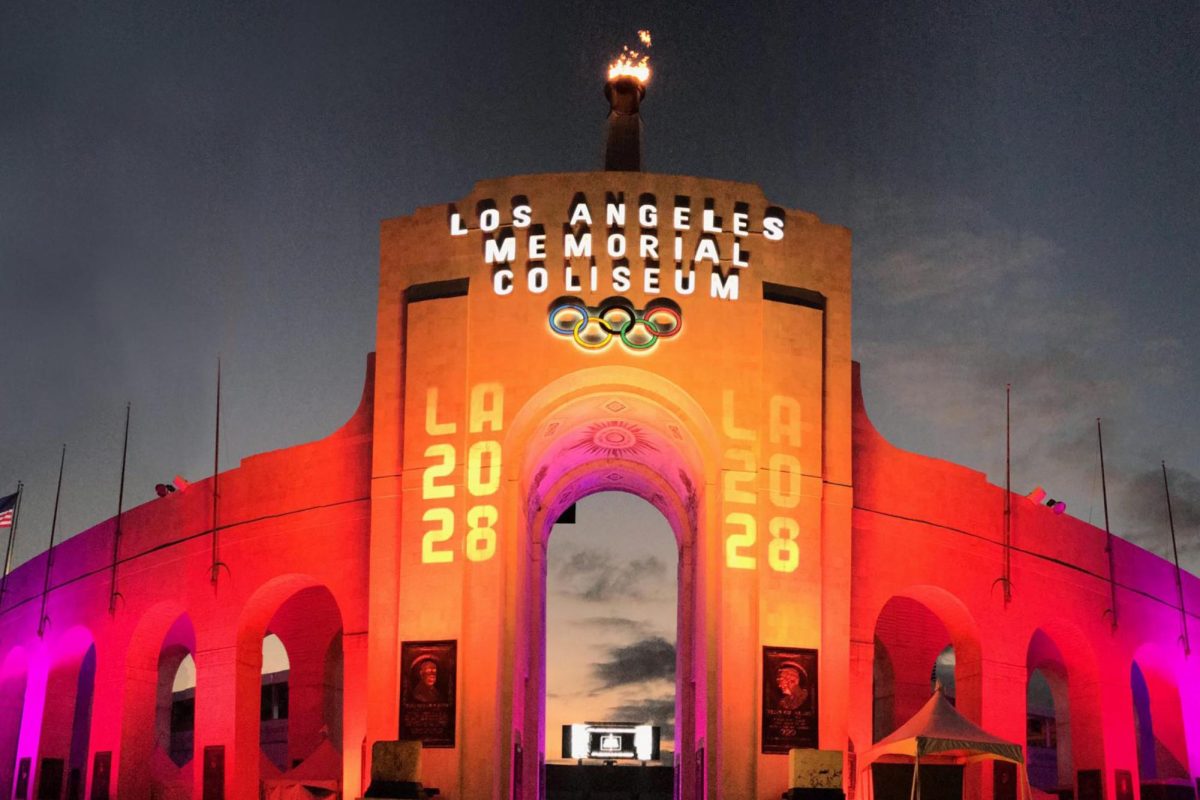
(483, 480)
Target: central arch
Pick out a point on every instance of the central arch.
(602, 430)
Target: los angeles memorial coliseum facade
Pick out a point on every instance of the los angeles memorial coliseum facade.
(541, 339)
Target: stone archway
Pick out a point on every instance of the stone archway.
(609, 437)
(1159, 727)
(307, 618)
(162, 639)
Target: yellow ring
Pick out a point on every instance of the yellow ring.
(580, 325)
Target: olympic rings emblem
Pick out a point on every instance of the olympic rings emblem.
(596, 327)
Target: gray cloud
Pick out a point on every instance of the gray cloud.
(652, 711)
(951, 304)
(595, 576)
(645, 660)
(1147, 506)
(958, 263)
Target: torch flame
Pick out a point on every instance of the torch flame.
(632, 63)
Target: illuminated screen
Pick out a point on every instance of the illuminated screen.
(611, 741)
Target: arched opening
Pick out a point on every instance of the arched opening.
(1048, 731)
(273, 708)
(13, 679)
(924, 639)
(577, 440)
(1158, 725)
(181, 712)
(299, 702)
(611, 613)
(174, 713)
(913, 652)
(1046, 735)
(158, 712)
(67, 717)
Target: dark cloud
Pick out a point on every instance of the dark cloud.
(1146, 500)
(651, 711)
(645, 660)
(596, 576)
(983, 303)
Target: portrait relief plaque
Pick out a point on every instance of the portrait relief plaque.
(789, 699)
(428, 677)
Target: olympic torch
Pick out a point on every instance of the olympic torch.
(625, 88)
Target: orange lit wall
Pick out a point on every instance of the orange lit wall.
(426, 519)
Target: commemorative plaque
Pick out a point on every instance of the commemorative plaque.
(428, 672)
(789, 699)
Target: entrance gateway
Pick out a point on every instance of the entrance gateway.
(542, 339)
(553, 336)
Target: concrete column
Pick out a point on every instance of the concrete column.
(733, 738)
(29, 744)
(1004, 688)
(860, 719)
(1117, 720)
(227, 710)
(354, 712)
(111, 713)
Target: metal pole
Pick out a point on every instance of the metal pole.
(1007, 493)
(12, 538)
(113, 593)
(42, 619)
(1108, 545)
(215, 568)
(1187, 648)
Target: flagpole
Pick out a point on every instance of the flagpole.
(1005, 579)
(1007, 493)
(12, 538)
(1108, 544)
(1187, 647)
(216, 542)
(42, 620)
(113, 593)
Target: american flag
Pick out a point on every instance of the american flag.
(7, 506)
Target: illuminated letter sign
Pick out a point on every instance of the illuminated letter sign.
(483, 464)
(740, 477)
(636, 256)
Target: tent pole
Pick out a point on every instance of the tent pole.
(915, 791)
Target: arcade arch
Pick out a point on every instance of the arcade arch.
(612, 610)
(1158, 724)
(1063, 707)
(923, 636)
(156, 730)
(611, 429)
(67, 715)
(307, 621)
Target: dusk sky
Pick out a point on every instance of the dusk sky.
(182, 181)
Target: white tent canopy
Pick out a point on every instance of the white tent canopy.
(939, 733)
